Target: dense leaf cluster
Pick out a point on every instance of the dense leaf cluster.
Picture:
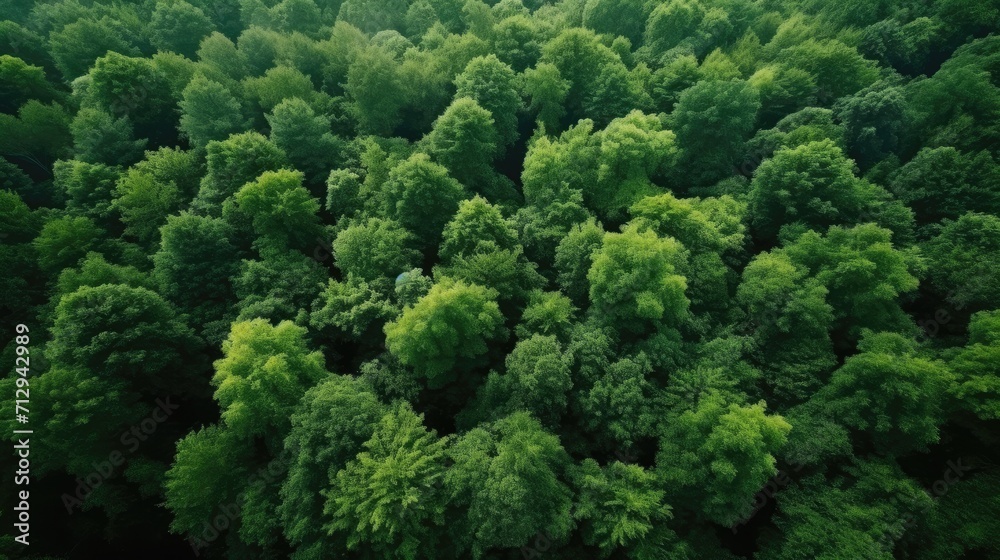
(652, 279)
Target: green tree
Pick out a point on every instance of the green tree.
(209, 112)
(306, 138)
(717, 456)
(281, 209)
(889, 393)
(536, 380)
(617, 17)
(388, 497)
(477, 227)
(712, 121)
(123, 333)
(21, 83)
(493, 85)
(377, 91)
(977, 386)
(193, 268)
(621, 508)
(944, 183)
(134, 87)
(179, 27)
(508, 478)
(64, 241)
(264, 371)
(634, 279)
(465, 141)
(421, 196)
(961, 261)
(375, 251)
(232, 163)
(76, 46)
(100, 138)
(812, 184)
(447, 328)
(335, 419)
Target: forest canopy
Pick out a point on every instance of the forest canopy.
(407, 279)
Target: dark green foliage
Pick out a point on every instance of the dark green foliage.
(671, 279)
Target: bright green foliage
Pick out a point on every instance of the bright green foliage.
(493, 85)
(336, 418)
(388, 497)
(547, 313)
(478, 227)
(864, 274)
(839, 69)
(783, 90)
(234, 162)
(506, 271)
(179, 27)
(64, 241)
(508, 478)
(889, 393)
(791, 320)
(353, 307)
(620, 507)
(536, 380)
(209, 470)
(264, 371)
(94, 270)
(975, 365)
(548, 90)
(712, 121)
(633, 149)
(209, 112)
(142, 201)
(464, 140)
(813, 184)
(716, 457)
(421, 196)
(375, 251)
(305, 137)
(449, 326)
(670, 279)
(281, 209)
(634, 280)
(279, 83)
